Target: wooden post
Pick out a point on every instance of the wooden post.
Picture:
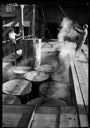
(22, 21)
(15, 22)
(33, 21)
(30, 31)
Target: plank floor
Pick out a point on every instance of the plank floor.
(44, 116)
(68, 117)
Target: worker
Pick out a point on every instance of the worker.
(12, 37)
(83, 35)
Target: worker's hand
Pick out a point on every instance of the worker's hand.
(77, 54)
(75, 27)
(20, 31)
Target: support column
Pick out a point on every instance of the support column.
(22, 21)
(33, 21)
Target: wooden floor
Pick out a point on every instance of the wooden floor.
(79, 67)
(51, 117)
(56, 117)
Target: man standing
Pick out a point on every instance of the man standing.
(12, 37)
(83, 34)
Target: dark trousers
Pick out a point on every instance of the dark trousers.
(79, 45)
(13, 47)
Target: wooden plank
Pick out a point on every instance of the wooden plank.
(82, 117)
(11, 119)
(43, 123)
(83, 85)
(76, 85)
(85, 50)
(84, 73)
(58, 117)
(85, 53)
(45, 117)
(48, 110)
(85, 65)
(84, 47)
(16, 108)
(19, 116)
(68, 117)
(85, 70)
(16, 116)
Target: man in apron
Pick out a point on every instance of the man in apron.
(83, 35)
(12, 37)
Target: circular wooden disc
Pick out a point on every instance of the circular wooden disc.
(21, 69)
(17, 87)
(36, 76)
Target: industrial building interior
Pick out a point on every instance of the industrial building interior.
(45, 65)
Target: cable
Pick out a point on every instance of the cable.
(62, 9)
(46, 23)
(58, 11)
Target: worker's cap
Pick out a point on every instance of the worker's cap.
(12, 29)
(85, 26)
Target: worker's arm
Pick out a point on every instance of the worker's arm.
(78, 30)
(19, 33)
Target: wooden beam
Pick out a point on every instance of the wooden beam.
(22, 20)
(15, 22)
(33, 21)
